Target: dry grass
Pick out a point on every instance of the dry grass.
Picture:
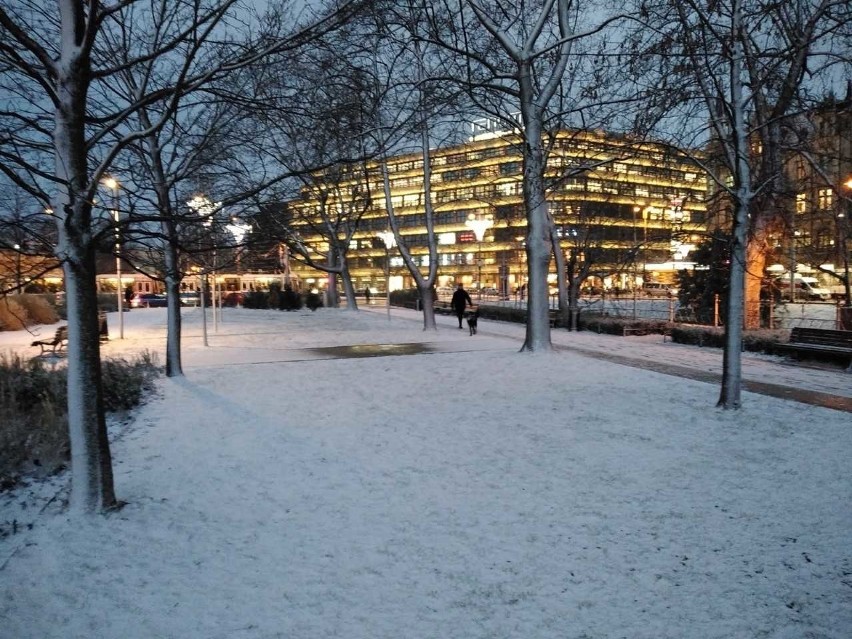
(33, 426)
(13, 314)
(40, 308)
(33, 419)
(21, 311)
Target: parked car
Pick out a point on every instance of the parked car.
(190, 298)
(658, 289)
(806, 288)
(148, 300)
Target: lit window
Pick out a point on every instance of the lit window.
(509, 188)
(801, 203)
(825, 198)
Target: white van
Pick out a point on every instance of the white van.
(806, 288)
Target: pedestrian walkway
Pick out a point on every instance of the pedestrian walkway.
(768, 375)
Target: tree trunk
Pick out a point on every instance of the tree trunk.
(539, 247)
(348, 289)
(731, 389)
(174, 364)
(559, 258)
(92, 488)
(428, 297)
(732, 355)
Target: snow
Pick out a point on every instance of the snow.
(475, 491)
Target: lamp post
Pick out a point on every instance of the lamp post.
(112, 183)
(207, 210)
(239, 231)
(479, 224)
(389, 240)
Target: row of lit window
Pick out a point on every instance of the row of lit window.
(513, 169)
(489, 192)
(824, 201)
(566, 146)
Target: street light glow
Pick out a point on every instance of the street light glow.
(479, 224)
(388, 238)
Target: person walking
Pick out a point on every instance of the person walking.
(459, 301)
(367, 294)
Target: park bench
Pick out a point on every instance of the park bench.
(56, 345)
(820, 343)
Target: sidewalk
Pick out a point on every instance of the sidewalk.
(765, 374)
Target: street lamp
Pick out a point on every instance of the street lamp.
(207, 210)
(17, 248)
(112, 183)
(389, 240)
(239, 231)
(479, 224)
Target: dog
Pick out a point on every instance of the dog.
(472, 320)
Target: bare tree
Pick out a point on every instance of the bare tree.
(315, 120)
(26, 240)
(514, 56)
(738, 65)
(58, 141)
(403, 37)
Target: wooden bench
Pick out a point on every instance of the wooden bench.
(56, 345)
(820, 343)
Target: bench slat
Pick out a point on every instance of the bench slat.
(57, 344)
(819, 341)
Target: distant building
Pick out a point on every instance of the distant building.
(819, 222)
(638, 207)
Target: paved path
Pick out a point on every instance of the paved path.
(826, 386)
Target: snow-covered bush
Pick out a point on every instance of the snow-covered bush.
(33, 418)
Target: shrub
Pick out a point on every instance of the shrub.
(756, 341)
(405, 297)
(698, 335)
(256, 299)
(616, 325)
(313, 301)
(290, 300)
(13, 314)
(126, 382)
(502, 313)
(33, 418)
(40, 308)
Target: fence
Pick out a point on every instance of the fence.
(772, 315)
(777, 315)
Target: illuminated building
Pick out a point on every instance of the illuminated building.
(634, 203)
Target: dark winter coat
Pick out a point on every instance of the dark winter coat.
(460, 296)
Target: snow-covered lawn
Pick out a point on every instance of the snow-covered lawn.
(467, 493)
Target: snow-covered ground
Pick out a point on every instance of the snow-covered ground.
(469, 492)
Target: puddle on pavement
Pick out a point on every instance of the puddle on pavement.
(373, 350)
